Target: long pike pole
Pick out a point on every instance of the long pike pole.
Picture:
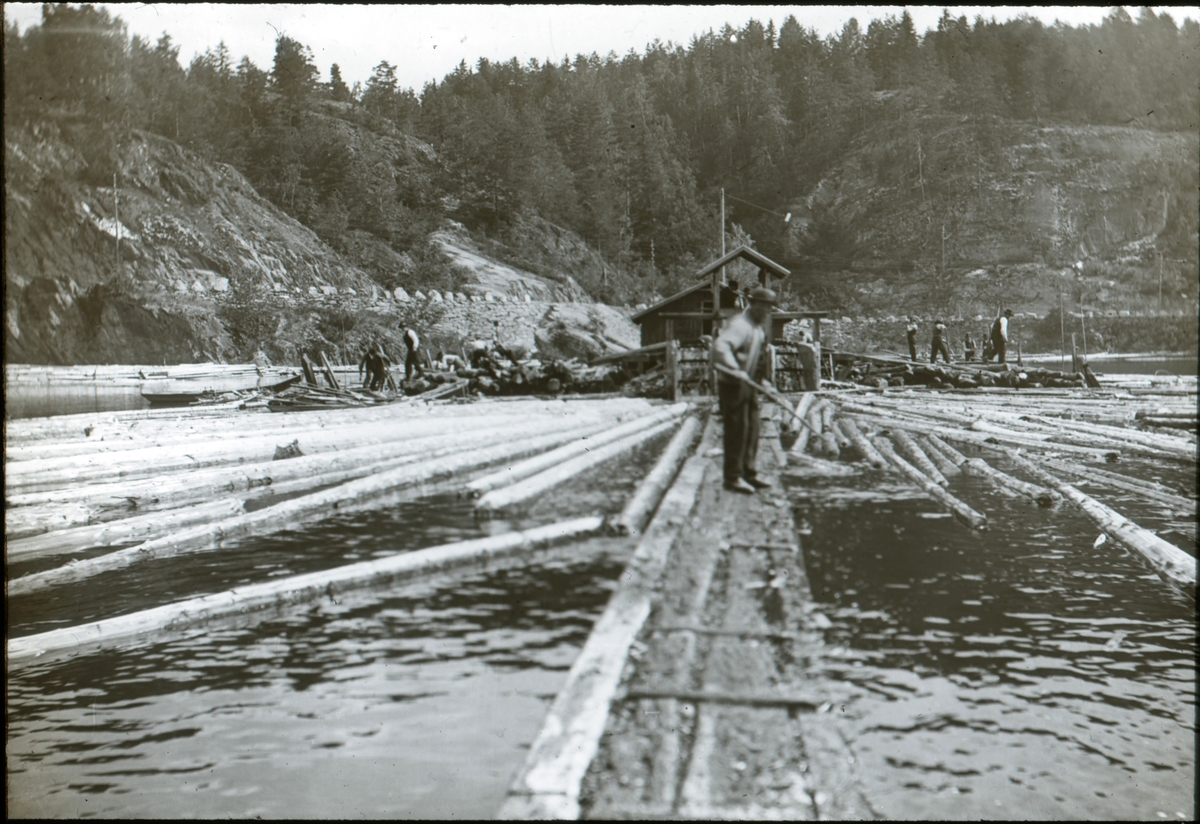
(769, 392)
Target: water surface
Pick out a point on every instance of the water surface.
(1021, 672)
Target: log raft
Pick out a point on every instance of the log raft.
(921, 426)
(630, 698)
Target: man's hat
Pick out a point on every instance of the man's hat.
(764, 295)
(1008, 313)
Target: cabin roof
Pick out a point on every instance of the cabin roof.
(759, 260)
(652, 309)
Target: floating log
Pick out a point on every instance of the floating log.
(641, 506)
(1166, 443)
(349, 496)
(842, 441)
(525, 469)
(969, 516)
(917, 456)
(953, 455)
(1171, 423)
(28, 476)
(505, 497)
(196, 423)
(802, 408)
(38, 512)
(1167, 559)
(829, 441)
(140, 528)
(943, 463)
(1053, 429)
(868, 452)
(901, 421)
(1040, 495)
(1154, 492)
(296, 589)
(549, 782)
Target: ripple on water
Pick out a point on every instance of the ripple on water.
(1014, 673)
(418, 702)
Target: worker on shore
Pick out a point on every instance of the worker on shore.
(412, 360)
(969, 349)
(912, 338)
(809, 351)
(999, 337)
(367, 365)
(740, 346)
(383, 369)
(939, 342)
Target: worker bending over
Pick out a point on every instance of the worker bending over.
(740, 347)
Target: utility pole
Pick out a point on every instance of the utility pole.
(117, 218)
(1083, 324)
(943, 249)
(716, 287)
(1160, 273)
(1062, 327)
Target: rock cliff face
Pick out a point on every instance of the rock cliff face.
(185, 262)
(92, 271)
(1009, 207)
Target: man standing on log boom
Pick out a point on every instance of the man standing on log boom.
(1000, 337)
(740, 347)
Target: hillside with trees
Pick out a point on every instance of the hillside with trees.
(919, 170)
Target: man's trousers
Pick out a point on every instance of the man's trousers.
(740, 412)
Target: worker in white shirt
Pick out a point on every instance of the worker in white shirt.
(412, 360)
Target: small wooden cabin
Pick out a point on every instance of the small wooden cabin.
(681, 317)
(694, 300)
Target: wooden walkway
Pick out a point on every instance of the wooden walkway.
(719, 709)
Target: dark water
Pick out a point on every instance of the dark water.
(411, 703)
(1181, 366)
(38, 401)
(416, 701)
(1017, 673)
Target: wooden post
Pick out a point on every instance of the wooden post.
(1074, 354)
(1062, 327)
(671, 362)
(310, 372)
(332, 378)
(1083, 325)
(719, 275)
(675, 375)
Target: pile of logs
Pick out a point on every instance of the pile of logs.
(880, 372)
(920, 435)
(498, 371)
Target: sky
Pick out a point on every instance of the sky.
(426, 42)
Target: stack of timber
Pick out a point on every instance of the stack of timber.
(1056, 442)
(496, 370)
